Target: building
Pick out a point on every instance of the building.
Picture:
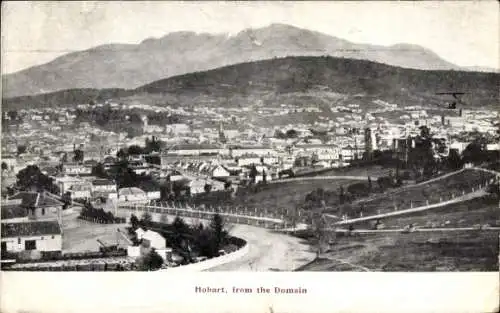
(31, 236)
(81, 191)
(370, 143)
(102, 187)
(401, 148)
(65, 183)
(259, 151)
(151, 239)
(38, 205)
(132, 195)
(77, 169)
(13, 212)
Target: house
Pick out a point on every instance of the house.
(65, 183)
(77, 169)
(81, 191)
(151, 239)
(151, 189)
(197, 186)
(31, 236)
(132, 195)
(38, 205)
(215, 171)
(13, 212)
(322, 152)
(102, 187)
(259, 151)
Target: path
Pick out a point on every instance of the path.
(466, 197)
(268, 251)
(422, 230)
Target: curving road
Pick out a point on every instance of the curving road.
(268, 251)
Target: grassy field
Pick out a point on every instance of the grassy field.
(478, 211)
(79, 235)
(287, 194)
(418, 195)
(437, 251)
(277, 197)
(372, 170)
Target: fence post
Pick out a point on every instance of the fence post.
(411, 204)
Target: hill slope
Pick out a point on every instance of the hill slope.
(299, 74)
(131, 65)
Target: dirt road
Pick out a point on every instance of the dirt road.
(268, 251)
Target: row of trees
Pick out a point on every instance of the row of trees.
(90, 213)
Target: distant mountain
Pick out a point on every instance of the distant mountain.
(253, 80)
(131, 65)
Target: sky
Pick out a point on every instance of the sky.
(462, 32)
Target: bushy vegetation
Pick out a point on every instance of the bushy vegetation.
(188, 240)
(89, 213)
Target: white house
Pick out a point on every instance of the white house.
(152, 239)
(77, 169)
(31, 236)
(81, 191)
(132, 195)
(103, 186)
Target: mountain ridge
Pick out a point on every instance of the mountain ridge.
(128, 66)
(295, 74)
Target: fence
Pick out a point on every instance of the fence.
(270, 219)
(441, 200)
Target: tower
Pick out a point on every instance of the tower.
(222, 137)
(368, 143)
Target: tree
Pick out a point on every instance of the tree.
(476, 152)
(217, 226)
(279, 134)
(341, 195)
(318, 228)
(125, 176)
(151, 261)
(135, 150)
(207, 188)
(291, 133)
(253, 174)
(121, 154)
(21, 149)
(4, 166)
(134, 221)
(454, 160)
(99, 171)
(12, 115)
(31, 178)
(78, 155)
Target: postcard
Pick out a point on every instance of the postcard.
(275, 157)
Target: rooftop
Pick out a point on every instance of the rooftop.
(13, 211)
(27, 229)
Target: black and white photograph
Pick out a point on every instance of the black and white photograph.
(250, 137)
